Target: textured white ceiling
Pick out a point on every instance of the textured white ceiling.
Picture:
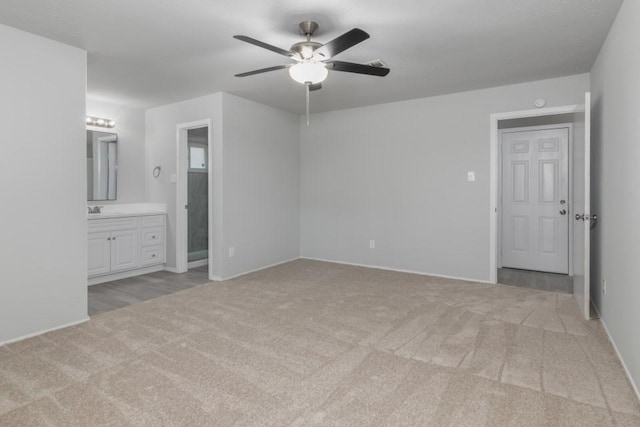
(153, 52)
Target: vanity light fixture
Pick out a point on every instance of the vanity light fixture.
(99, 122)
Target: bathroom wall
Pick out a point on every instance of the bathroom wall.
(161, 148)
(130, 128)
(255, 171)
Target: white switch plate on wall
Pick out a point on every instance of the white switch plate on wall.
(471, 176)
(232, 251)
(372, 244)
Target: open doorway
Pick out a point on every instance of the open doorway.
(194, 202)
(578, 208)
(198, 197)
(534, 226)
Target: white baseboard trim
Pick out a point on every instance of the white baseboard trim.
(220, 279)
(615, 347)
(199, 263)
(125, 274)
(397, 270)
(35, 334)
(171, 270)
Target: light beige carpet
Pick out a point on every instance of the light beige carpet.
(310, 343)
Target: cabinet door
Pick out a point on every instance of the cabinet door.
(125, 247)
(99, 253)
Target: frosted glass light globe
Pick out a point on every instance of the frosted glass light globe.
(309, 72)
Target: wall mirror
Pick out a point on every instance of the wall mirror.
(102, 165)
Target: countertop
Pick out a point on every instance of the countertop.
(124, 210)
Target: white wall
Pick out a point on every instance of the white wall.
(615, 87)
(43, 185)
(130, 128)
(258, 178)
(396, 173)
(161, 150)
(261, 185)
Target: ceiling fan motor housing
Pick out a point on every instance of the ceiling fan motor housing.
(305, 49)
(308, 28)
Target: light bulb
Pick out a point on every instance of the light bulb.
(89, 120)
(111, 123)
(306, 52)
(309, 72)
(100, 122)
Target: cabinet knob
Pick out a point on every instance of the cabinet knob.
(153, 256)
(108, 238)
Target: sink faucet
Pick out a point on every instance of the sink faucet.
(95, 209)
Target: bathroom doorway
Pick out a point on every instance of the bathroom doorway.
(197, 197)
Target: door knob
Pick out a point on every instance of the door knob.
(579, 217)
(562, 202)
(563, 211)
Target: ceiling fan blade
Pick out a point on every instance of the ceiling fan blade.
(316, 86)
(267, 46)
(341, 43)
(262, 70)
(351, 67)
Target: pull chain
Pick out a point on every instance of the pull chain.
(307, 84)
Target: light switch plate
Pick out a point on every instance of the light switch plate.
(173, 178)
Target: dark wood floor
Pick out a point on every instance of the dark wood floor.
(536, 280)
(120, 293)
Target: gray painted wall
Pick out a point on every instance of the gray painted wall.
(131, 142)
(161, 148)
(397, 173)
(43, 243)
(615, 87)
(258, 178)
(261, 185)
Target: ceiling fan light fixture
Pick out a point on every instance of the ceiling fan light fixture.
(309, 72)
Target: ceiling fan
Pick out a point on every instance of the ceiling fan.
(312, 60)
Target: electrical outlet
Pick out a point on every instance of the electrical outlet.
(471, 176)
(604, 286)
(372, 244)
(232, 251)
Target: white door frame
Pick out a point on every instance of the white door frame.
(182, 235)
(570, 208)
(494, 170)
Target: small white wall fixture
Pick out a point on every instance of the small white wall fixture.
(181, 233)
(494, 171)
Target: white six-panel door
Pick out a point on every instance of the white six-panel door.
(535, 200)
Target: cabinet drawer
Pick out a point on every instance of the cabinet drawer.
(109, 224)
(152, 221)
(151, 255)
(152, 236)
